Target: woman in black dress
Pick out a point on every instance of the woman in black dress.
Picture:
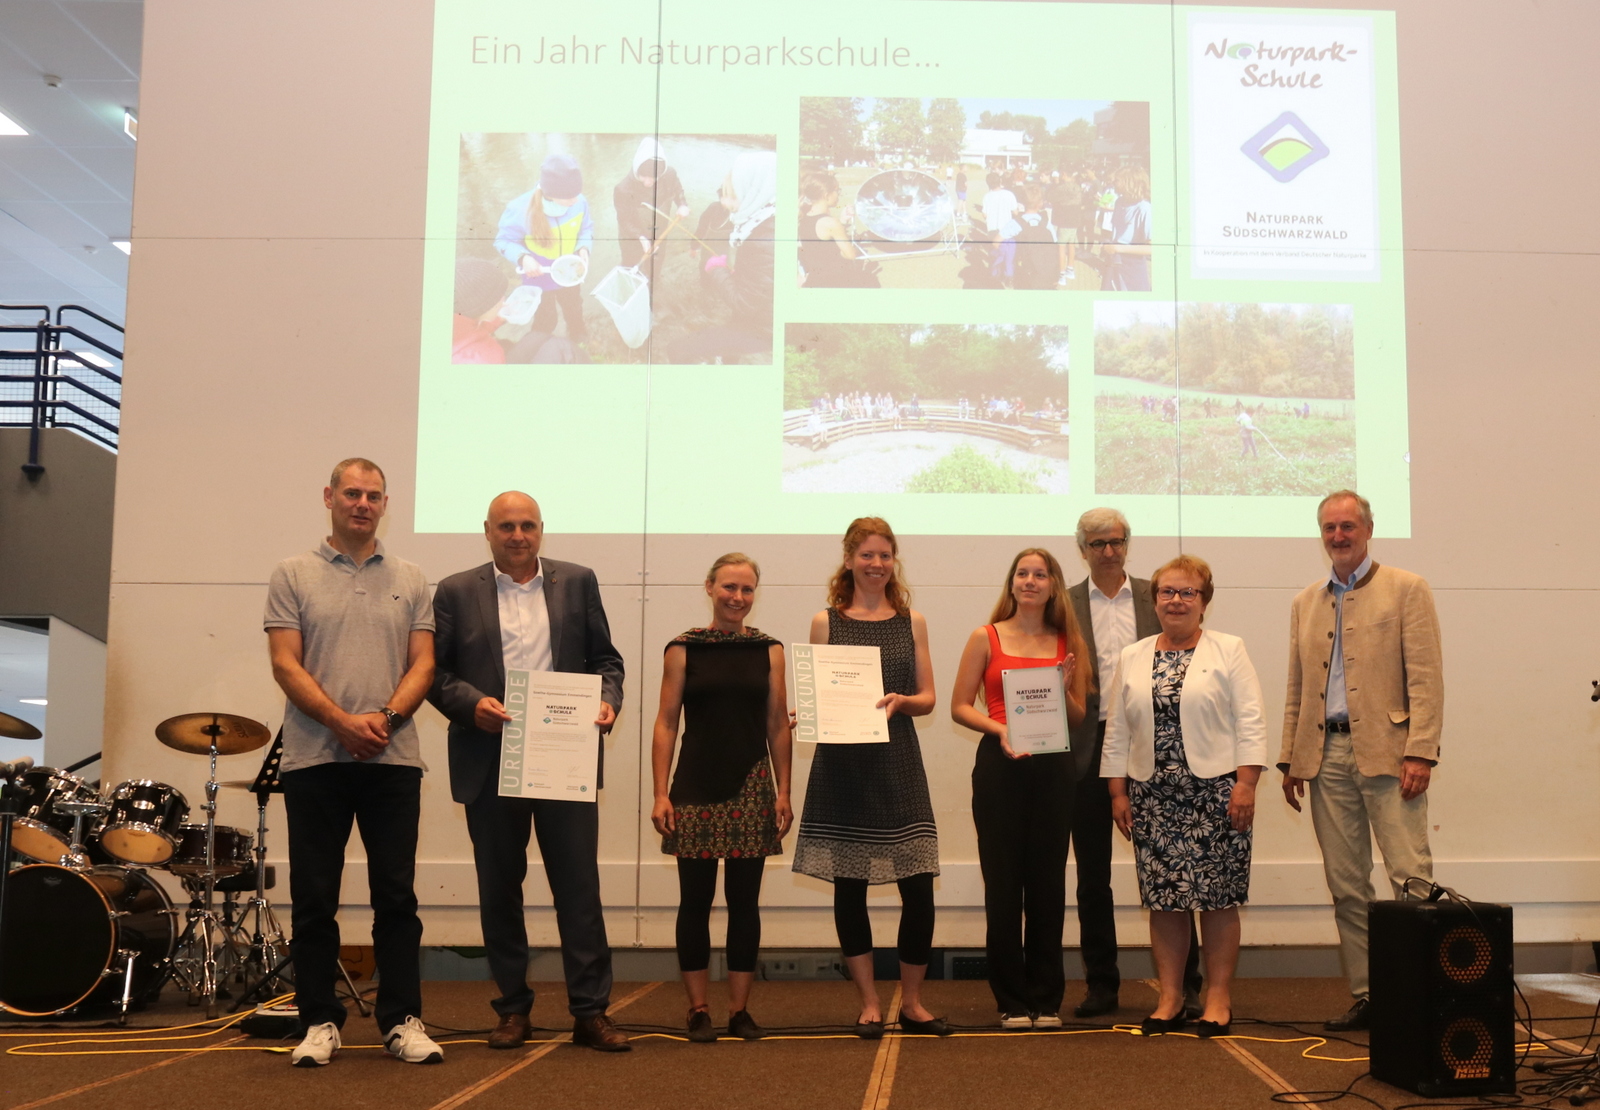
(828, 257)
(728, 800)
(868, 818)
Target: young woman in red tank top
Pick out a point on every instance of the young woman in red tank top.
(1022, 804)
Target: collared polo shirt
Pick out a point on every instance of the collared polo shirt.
(355, 623)
(1338, 704)
(524, 621)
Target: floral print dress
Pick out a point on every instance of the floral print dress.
(1186, 850)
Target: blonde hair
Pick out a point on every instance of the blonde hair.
(540, 229)
(1058, 613)
(842, 586)
(733, 559)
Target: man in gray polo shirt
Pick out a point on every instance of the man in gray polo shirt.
(350, 631)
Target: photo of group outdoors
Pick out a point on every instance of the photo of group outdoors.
(1224, 398)
(925, 408)
(974, 193)
(615, 248)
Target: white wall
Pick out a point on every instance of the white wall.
(273, 329)
(77, 710)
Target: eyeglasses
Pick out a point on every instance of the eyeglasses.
(1167, 593)
(1101, 545)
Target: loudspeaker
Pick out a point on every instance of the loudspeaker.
(1443, 1014)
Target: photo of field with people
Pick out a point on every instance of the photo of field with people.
(1224, 398)
(925, 408)
(974, 193)
(615, 248)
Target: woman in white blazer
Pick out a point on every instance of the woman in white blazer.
(1185, 744)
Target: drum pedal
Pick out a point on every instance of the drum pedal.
(276, 1023)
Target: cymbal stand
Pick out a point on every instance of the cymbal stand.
(206, 932)
(257, 926)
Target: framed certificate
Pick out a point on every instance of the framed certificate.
(551, 746)
(837, 688)
(1036, 709)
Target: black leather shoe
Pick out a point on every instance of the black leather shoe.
(869, 1030)
(599, 1033)
(1154, 1026)
(743, 1026)
(933, 1027)
(1207, 1029)
(1096, 1003)
(1356, 1017)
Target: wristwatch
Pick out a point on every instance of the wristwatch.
(395, 720)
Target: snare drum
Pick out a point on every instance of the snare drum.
(41, 830)
(142, 826)
(66, 930)
(232, 854)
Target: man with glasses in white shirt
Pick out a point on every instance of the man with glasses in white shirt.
(1114, 610)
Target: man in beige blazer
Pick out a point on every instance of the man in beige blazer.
(1361, 724)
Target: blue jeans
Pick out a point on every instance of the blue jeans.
(384, 801)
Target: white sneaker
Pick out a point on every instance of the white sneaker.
(1070, 275)
(1016, 1021)
(410, 1042)
(1047, 1021)
(320, 1044)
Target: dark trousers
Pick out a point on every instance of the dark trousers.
(1097, 923)
(569, 842)
(570, 298)
(1023, 812)
(384, 801)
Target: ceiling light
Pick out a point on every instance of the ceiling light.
(94, 360)
(122, 245)
(9, 126)
(34, 701)
(130, 124)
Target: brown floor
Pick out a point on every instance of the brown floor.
(1101, 1067)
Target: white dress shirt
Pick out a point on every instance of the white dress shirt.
(524, 622)
(1114, 629)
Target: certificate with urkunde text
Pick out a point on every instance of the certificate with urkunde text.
(551, 746)
(1036, 709)
(837, 688)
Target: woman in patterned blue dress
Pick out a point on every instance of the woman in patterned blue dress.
(1186, 741)
(868, 817)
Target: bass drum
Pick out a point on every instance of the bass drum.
(66, 929)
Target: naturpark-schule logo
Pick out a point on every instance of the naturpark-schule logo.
(1286, 147)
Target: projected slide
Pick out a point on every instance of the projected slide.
(700, 267)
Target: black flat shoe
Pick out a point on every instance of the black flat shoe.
(869, 1030)
(743, 1026)
(701, 1030)
(933, 1027)
(1154, 1026)
(1205, 1029)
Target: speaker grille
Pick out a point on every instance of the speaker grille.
(1465, 954)
(1467, 1048)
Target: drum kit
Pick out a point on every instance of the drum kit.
(85, 923)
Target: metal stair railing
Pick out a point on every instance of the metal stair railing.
(48, 384)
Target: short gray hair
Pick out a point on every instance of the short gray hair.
(1101, 520)
(1363, 505)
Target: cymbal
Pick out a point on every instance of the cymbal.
(193, 732)
(16, 728)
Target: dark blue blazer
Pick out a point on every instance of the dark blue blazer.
(470, 666)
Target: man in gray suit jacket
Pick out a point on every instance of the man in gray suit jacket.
(539, 614)
(1114, 610)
